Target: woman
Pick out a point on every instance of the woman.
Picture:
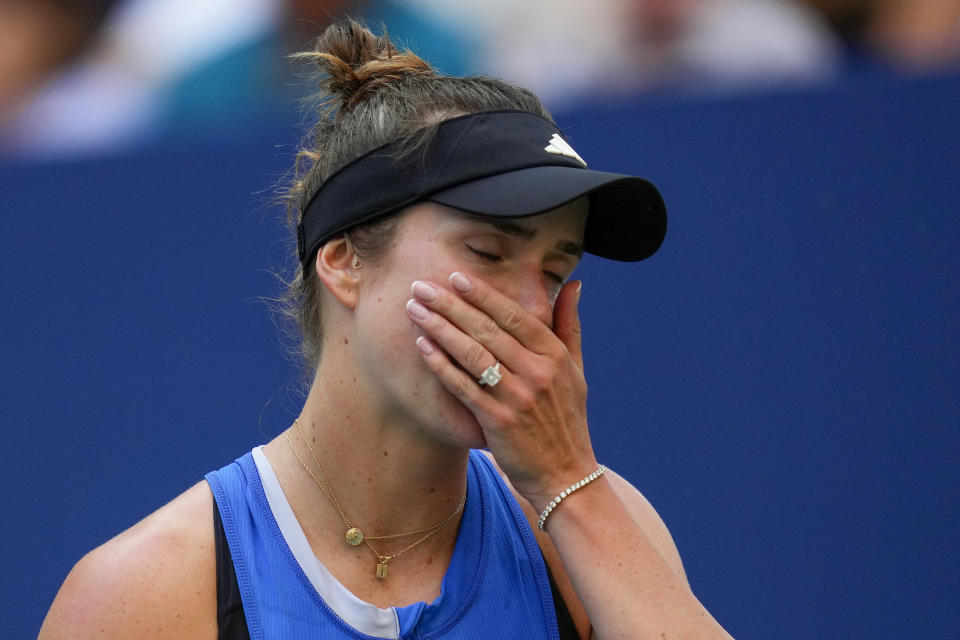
(438, 220)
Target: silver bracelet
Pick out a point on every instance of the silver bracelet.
(566, 492)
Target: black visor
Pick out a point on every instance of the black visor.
(506, 164)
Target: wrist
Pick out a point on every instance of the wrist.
(566, 493)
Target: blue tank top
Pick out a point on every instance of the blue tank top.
(496, 583)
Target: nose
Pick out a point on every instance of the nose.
(529, 289)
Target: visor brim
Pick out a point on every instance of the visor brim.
(627, 219)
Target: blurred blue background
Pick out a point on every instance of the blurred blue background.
(782, 380)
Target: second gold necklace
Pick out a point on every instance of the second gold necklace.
(354, 535)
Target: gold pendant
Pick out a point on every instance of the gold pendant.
(382, 568)
(354, 536)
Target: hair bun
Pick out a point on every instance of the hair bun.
(358, 62)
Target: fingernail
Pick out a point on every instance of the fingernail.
(417, 310)
(461, 282)
(424, 290)
(425, 346)
(579, 289)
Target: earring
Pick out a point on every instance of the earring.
(356, 262)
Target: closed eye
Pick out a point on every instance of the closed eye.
(555, 276)
(492, 257)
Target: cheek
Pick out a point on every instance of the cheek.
(383, 320)
(387, 333)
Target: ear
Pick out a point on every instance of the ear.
(337, 270)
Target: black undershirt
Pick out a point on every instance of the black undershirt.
(232, 623)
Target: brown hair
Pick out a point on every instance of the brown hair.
(372, 93)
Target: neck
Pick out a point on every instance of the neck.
(385, 475)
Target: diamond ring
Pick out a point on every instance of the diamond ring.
(491, 376)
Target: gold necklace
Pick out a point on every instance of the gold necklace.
(355, 535)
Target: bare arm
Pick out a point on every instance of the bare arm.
(641, 512)
(630, 580)
(155, 580)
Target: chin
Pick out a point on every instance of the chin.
(458, 426)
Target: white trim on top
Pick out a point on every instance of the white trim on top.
(363, 616)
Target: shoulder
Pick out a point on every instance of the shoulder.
(155, 580)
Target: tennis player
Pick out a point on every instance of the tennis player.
(439, 481)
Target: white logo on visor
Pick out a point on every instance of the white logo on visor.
(559, 146)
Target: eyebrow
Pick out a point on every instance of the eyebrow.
(512, 228)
